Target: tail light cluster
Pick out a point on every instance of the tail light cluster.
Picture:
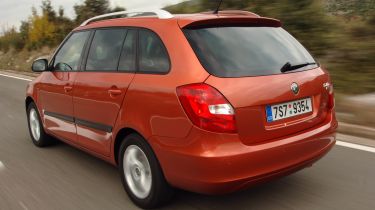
(331, 97)
(207, 108)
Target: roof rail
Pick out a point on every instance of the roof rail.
(161, 14)
(233, 12)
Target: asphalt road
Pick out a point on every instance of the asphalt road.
(61, 177)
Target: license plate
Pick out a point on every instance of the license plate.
(288, 109)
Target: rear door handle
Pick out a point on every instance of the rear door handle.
(114, 92)
(68, 88)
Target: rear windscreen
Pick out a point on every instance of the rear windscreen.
(246, 51)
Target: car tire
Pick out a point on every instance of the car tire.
(39, 137)
(141, 174)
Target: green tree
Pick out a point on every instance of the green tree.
(24, 30)
(11, 39)
(63, 26)
(91, 8)
(117, 9)
(48, 10)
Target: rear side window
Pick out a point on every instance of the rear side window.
(246, 51)
(129, 51)
(69, 55)
(105, 50)
(153, 56)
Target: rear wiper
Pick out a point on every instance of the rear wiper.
(289, 67)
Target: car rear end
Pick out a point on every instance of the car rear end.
(266, 110)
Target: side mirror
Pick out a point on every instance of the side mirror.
(40, 65)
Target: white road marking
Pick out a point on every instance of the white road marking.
(340, 143)
(356, 146)
(2, 166)
(14, 77)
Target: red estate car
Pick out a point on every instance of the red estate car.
(210, 103)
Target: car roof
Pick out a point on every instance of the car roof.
(188, 20)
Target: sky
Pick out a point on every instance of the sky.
(12, 12)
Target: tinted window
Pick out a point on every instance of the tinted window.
(246, 51)
(128, 54)
(153, 56)
(105, 50)
(69, 55)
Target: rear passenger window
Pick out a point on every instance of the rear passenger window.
(69, 55)
(105, 50)
(153, 57)
(128, 54)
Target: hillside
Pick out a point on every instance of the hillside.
(350, 8)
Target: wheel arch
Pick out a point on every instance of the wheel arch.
(121, 134)
(28, 101)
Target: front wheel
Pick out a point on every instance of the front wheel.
(141, 174)
(38, 136)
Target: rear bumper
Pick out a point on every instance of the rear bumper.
(212, 163)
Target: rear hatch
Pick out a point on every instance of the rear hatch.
(258, 69)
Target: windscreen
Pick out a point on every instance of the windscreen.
(247, 51)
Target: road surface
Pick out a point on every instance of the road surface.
(61, 177)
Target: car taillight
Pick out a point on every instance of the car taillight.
(207, 108)
(331, 97)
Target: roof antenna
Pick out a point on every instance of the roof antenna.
(218, 8)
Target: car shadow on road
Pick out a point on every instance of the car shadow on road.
(283, 193)
(262, 196)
